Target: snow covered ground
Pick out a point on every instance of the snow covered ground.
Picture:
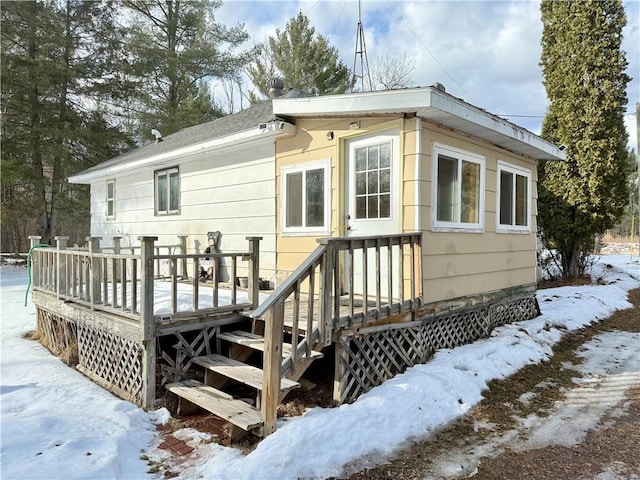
(55, 423)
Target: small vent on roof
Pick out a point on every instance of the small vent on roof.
(275, 87)
(157, 134)
(438, 86)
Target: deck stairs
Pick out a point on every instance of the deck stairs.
(222, 371)
(297, 321)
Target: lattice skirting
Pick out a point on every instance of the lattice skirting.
(57, 334)
(113, 362)
(368, 359)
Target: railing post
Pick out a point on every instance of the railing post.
(326, 291)
(116, 251)
(273, 325)
(254, 271)
(35, 276)
(147, 322)
(183, 251)
(61, 261)
(95, 274)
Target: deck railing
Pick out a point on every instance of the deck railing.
(119, 283)
(345, 282)
(159, 251)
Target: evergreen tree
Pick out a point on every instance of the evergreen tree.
(176, 48)
(630, 217)
(57, 65)
(302, 59)
(585, 79)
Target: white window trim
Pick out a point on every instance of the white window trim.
(156, 196)
(459, 155)
(516, 170)
(325, 164)
(112, 200)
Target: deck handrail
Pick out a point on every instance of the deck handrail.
(272, 312)
(325, 264)
(287, 286)
(113, 282)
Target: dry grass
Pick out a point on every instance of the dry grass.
(615, 239)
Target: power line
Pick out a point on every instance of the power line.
(630, 114)
(519, 116)
(344, 4)
(430, 53)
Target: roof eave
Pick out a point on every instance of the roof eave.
(431, 104)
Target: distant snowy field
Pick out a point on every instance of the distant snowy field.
(56, 424)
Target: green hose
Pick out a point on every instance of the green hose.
(26, 294)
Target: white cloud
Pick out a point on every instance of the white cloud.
(486, 52)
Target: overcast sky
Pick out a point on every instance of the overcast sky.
(486, 52)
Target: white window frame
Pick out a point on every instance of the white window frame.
(324, 164)
(460, 156)
(156, 195)
(111, 200)
(523, 172)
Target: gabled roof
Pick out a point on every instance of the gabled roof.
(234, 128)
(431, 103)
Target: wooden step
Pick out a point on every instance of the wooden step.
(256, 342)
(239, 371)
(219, 403)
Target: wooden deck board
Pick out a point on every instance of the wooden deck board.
(219, 403)
(256, 342)
(239, 371)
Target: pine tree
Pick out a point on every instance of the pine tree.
(176, 48)
(584, 76)
(57, 65)
(302, 59)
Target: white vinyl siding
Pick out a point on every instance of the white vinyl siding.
(217, 193)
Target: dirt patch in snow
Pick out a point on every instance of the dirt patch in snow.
(547, 421)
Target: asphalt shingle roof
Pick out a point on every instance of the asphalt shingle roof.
(246, 119)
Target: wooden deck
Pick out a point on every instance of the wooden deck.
(310, 310)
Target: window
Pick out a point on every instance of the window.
(514, 190)
(459, 191)
(167, 191)
(111, 199)
(373, 181)
(305, 191)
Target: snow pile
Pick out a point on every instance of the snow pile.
(55, 422)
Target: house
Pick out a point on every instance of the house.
(391, 223)
(214, 177)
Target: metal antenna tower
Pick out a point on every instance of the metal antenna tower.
(362, 72)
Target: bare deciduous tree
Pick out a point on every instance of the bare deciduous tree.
(392, 71)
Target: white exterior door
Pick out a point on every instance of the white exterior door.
(372, 204)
